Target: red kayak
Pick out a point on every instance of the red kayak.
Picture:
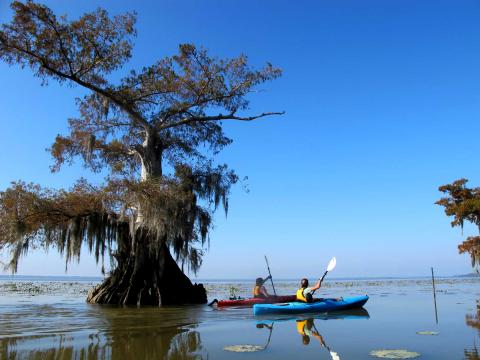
(253, 301)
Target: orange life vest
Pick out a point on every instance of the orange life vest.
(256, 291)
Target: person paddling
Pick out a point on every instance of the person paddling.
(305, 293)
(259, 291)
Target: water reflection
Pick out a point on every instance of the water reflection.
(306, 328)
(360, 313)
(472, 354)
(110, 333)
(270, 329)
(13, 349)
(183, 345)
(473, 320)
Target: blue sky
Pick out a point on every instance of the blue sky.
(382, 107)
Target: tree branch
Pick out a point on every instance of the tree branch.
(218, 117)
(134, 115)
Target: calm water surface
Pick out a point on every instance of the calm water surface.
(43, 319)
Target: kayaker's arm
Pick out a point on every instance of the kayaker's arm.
(319, 338)
(264, 291)
(317, 286)
(267, 278)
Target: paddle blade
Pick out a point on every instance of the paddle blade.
(334, 355)
(332, 264)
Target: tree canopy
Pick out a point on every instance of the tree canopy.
(155, 132)
(463, 204)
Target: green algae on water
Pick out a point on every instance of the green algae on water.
(243, 348)
(428, 332)
(394, 354)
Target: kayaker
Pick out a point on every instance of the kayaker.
(259, 291)
(305, 293)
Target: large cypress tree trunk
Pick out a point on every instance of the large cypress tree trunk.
(146, 277)
(146, 273)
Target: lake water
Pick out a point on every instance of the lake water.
(46, 319)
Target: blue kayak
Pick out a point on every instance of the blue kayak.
(349, 314)
(324, 305)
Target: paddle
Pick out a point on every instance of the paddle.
(270, 274)
(330, 267)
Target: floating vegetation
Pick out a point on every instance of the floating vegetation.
(428, 332)
(53, 288)
(233, 292)
(243, 348)
(394, 354)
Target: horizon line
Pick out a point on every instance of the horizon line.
(473, 274)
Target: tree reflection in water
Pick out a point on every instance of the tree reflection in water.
(185, 344)
(11, 349)
(472, 354)
(114, 333)
(473, 321)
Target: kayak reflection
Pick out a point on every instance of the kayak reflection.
(306, 328)
(360, 313)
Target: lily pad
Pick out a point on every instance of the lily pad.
(243, 348)
(394, 354)
(428, 332)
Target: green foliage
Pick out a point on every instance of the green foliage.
(155, 132)
(464, 205)
(233, 292)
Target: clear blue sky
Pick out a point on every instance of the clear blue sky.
(383, 104)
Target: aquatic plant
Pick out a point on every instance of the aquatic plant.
(233, 293)
(394, 354)
(155, 133)
(243, 348)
